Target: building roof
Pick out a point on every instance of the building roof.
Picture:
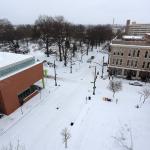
(7, 58)
(132, 37)
(10, 62)
(131, 43)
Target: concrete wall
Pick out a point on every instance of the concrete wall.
(14, 85)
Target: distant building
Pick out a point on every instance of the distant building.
(117, 28)
(136, 29)
(130, 58)
(18, 73)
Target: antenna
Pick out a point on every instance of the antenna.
(113, 21)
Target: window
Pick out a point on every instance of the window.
(148, 64)
(122, 54)
(113, 61)
(120, 61)
(135, 64)
(133, 53)
(143, 64)
(132, 63)
(118, 53)
(129, 54)
(114, 53)
(138, 53)
(146, 54)
(128, 63)
(117, 62)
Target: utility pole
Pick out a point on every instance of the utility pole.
(55, 78)
(71, 63)
(95, 77)
(102, 68)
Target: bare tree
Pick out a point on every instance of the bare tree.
(46, 27)
(115, 86)
(10, 146)
(59, 22)
(66, 136)
(125, 138)
(144, 94)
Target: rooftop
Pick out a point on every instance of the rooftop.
(131, 43)
(7, 58)
(10, 62)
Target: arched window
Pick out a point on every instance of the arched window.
(138, 53)
(148, 64)
(132, 63)
(133, 53)
(117, 62)
(143, 64)
(146, 54)
(128, 63)
(136, 64)
(120, 61)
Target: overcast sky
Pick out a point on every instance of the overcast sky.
(77, 11)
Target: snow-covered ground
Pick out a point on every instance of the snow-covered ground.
(97, 123)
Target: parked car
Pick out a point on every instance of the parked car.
(135, 84)
(107, 99)
(105, 64)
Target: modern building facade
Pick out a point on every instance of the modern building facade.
(18, 73)
(137, 29)
(130, 58)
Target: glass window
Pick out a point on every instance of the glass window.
(143, 64)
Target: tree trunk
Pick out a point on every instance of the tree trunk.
(60, 56)
(66, 144)
(87, 50)
(65, 57)
(47, 47)
(113, 94)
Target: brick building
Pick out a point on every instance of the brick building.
(130, 58)
(18, 73)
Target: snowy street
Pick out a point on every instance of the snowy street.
(96, 122)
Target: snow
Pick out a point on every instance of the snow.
(132, 37)
(96, 122)
(7, 58)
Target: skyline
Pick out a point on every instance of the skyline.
(78, 12)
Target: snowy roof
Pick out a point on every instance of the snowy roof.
(7, 58)
(131, 37)
(10, 62)
(129, 45)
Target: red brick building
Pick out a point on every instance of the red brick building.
(18, 73)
